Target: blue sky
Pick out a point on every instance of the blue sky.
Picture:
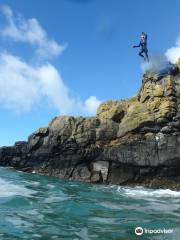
(85, 56)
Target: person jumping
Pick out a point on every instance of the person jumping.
(143, 47)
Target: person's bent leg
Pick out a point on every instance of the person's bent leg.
(146, 55)
(141, 53)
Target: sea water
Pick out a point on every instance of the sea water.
(36, 207)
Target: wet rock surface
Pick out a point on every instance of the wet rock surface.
(129, 142)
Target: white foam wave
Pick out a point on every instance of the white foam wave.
(55, 199)
(110, 205)
(140, 192)
(8, 189)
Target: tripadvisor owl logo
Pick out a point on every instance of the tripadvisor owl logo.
(138, 230)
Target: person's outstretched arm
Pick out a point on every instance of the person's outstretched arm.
(136, 46)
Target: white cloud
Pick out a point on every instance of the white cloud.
(30, 31)
(23, 85)
(91, 104)
(156, 63)
(173, 53)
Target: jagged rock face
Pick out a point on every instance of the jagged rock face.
(153, 106)
(133, 141)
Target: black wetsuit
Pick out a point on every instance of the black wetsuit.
(143, 47)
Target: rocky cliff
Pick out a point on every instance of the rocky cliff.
(133, 142)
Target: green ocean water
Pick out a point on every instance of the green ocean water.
(43, 208)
